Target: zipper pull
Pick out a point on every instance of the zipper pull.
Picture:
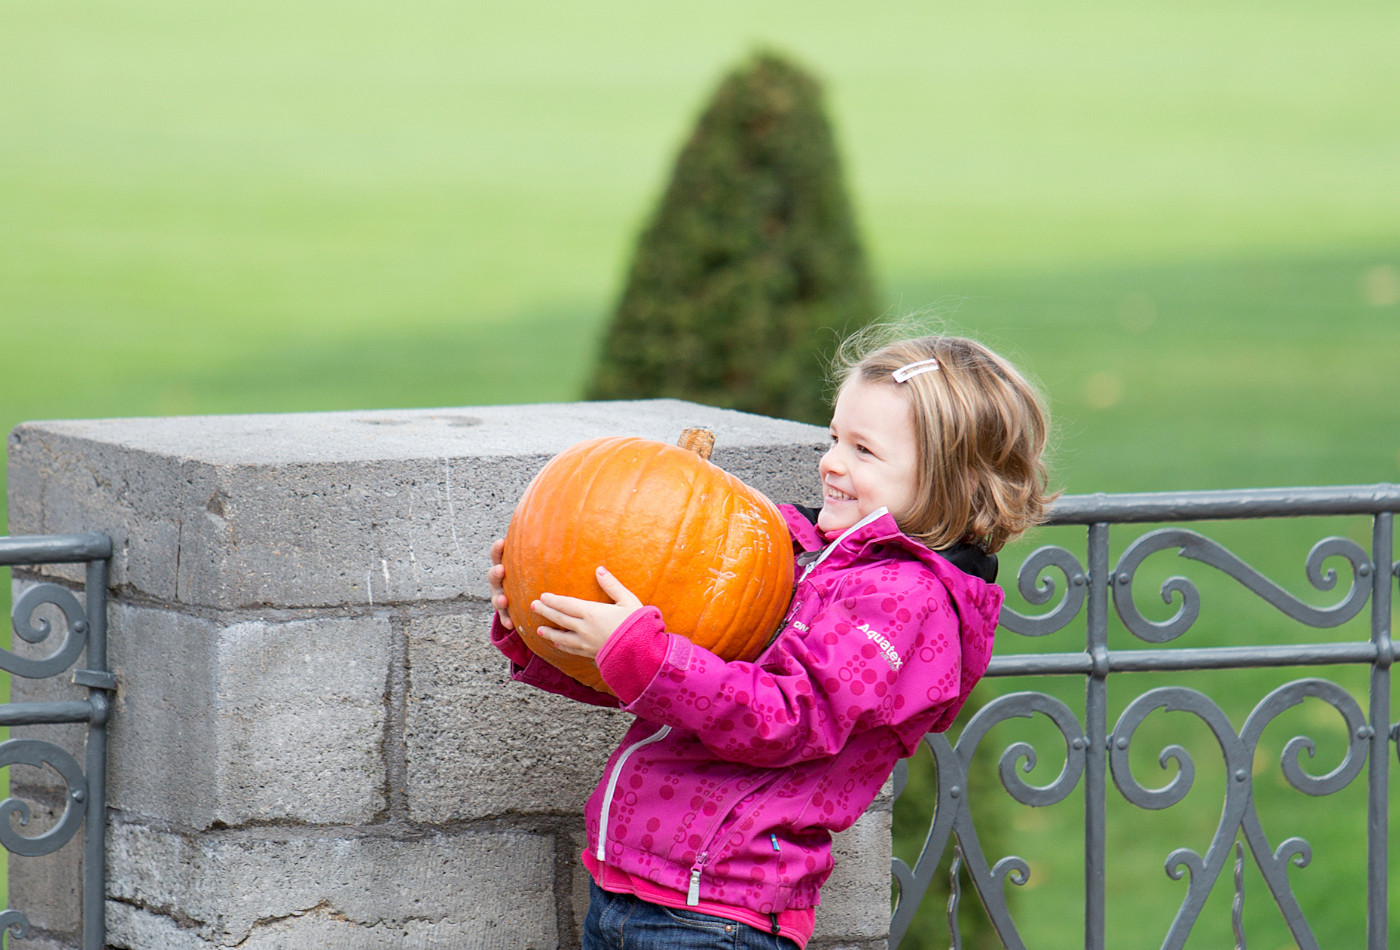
(773, 838)
(692, 896)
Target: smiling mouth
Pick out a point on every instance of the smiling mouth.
(838, 495)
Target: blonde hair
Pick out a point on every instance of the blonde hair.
(980, 428)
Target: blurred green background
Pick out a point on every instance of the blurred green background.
(1182, 218)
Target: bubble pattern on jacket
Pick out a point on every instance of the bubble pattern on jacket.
(734, 775)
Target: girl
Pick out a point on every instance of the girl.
(711, 826)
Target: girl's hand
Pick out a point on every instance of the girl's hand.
(582, 626)
(497, 578)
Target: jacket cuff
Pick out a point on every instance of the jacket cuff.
(632, 656)
(509, 643)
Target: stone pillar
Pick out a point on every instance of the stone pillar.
(313, 744)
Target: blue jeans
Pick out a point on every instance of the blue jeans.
(624, 922)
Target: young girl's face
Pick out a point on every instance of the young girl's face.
(872, 460)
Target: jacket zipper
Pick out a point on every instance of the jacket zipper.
(810, 567)
(692, 896)
(832, 546)
(612, 787)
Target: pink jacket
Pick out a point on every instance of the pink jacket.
(734, 775)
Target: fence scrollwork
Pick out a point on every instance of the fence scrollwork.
(1197, 547)
(1091, 588)
(1037, 588)
(23, 618)
(952, 818)
(38, 753)
(13, 924)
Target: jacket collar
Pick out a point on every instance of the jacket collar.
(879, 527)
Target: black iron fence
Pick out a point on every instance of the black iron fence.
(1096, 591)
(37, 615)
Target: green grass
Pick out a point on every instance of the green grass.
(1180, 217)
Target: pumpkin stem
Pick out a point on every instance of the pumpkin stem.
(699, 441)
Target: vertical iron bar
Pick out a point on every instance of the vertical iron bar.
(1096, 723)
(95, 817)
(1237, 908)
(955, 898)
(1378, 801)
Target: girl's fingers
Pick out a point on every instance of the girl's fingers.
(555, 616)
(562, 606)
(578, 606)
(614, 588)
(565, 640)
(495, 576)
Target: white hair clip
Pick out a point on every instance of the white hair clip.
(910, 370)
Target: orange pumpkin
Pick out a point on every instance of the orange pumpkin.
(682, 534)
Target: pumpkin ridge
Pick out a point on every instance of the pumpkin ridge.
(639, 475)
(755, 578)
(598, 464)
(723, 544)
(601, 463)
(780, 553)
(721, 527)
(556, 533)
(559, 535)
(691, 516)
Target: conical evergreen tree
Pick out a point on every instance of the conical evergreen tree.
(751, 267)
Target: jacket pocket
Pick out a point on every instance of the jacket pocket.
(703, 850)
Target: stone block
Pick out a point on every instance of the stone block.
(331, 509)
(580, 883)
(255, 720)
(475, 739)
(856, 898)
(68, 483)
(277, 888)
(131, 927)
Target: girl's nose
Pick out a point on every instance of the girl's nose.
(830, 462)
